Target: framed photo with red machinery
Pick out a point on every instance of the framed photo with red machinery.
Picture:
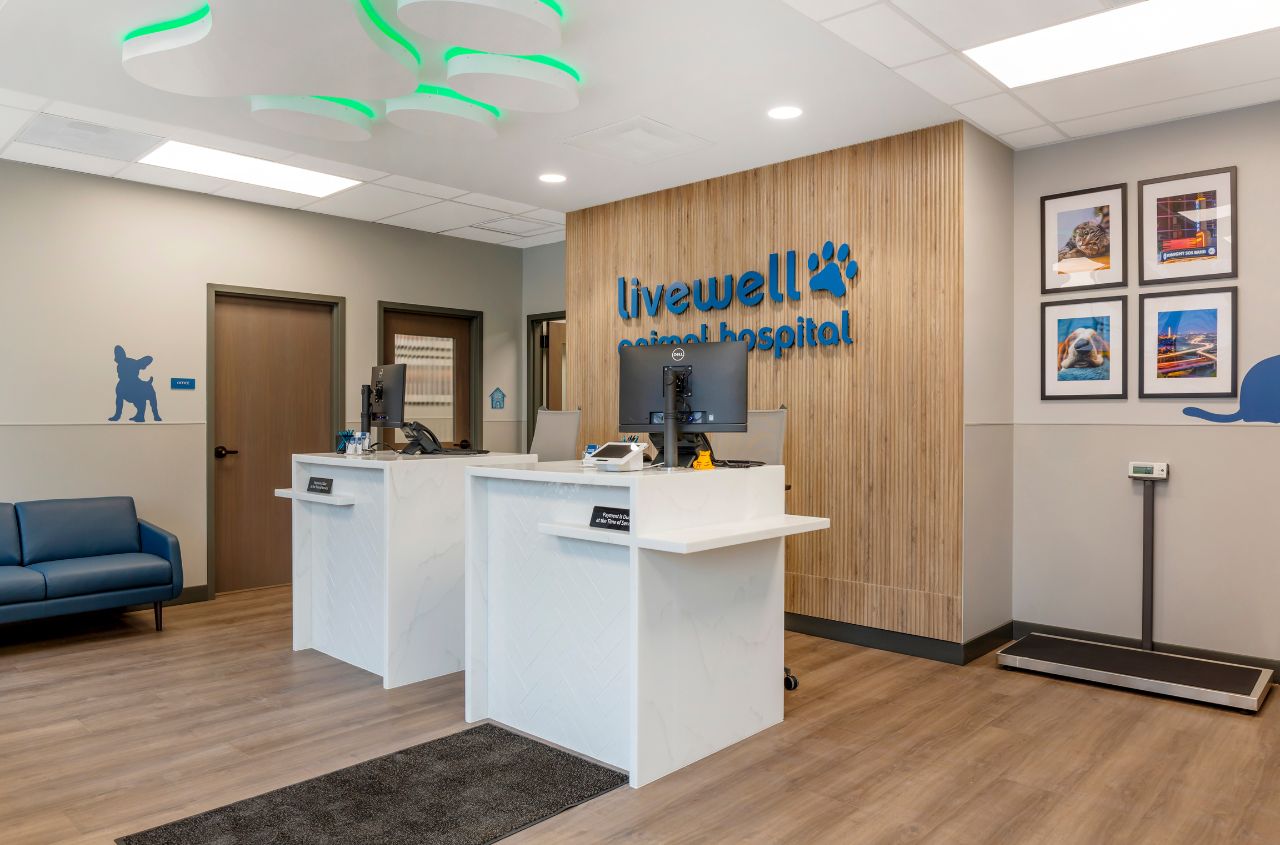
(1187, 227)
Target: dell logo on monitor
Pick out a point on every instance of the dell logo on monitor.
(677, 354)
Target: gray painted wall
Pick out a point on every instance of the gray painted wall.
(988, 385)
(1077, 540)
(88, 262)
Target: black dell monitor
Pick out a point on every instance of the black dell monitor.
(386, 396)
(704, 383)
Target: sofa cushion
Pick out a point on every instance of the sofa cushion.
(10, 547)
(19, 584)
(82, 576)
(56, 529)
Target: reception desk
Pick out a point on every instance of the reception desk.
(378, 561)
(646, 649)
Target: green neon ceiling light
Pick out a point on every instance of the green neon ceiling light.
(542, 60)
(555, 7)
(390, 31)
(441, 91)
(175, 23)
(354, 105)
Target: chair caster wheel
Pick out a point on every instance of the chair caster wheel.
(790, 682)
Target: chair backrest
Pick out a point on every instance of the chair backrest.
(55, 529)
(762, 441)
(10, 545)
(555, 435)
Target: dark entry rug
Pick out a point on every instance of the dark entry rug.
(473, 787)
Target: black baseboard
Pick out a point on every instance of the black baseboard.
(944, 651)
(1021, 629)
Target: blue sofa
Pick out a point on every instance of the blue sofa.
(72, 555)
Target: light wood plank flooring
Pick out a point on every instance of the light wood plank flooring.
(108, 728)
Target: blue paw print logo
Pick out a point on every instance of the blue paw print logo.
(831, 277)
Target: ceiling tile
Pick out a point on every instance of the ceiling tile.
(66, 133)
(951, 79)
(1233, 98)
(336, 168)
(417, 186)
(109, 118)
(264, 196)
(442, 216)
(19, 100)
(1000, 114)
(969, 23)
(479, 235)
(546, 214)
(821, 10)
(1036, 137)
(519, 226)
(370, 202)
(64, 159)
(167, 178)
(495, 203)
(639, 140)
(885, 35)
(230, 145)
(11, 122)
(539, 240)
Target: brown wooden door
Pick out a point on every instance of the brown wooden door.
(554, 399)
(437, 350)
(273, 374)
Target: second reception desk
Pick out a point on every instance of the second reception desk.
(646, 649)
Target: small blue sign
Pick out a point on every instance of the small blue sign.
(182, 384)
(497, 399)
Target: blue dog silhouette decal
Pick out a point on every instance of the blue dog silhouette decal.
(1259, 396)
(831, 277)
(132, 389)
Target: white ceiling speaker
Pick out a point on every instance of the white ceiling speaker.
(521, 83)
(439, 112)
(345, 48)
(327, 118)
(497, 26)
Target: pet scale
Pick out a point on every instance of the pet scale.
(1144, 669)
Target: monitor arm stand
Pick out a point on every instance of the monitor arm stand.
(366, 400)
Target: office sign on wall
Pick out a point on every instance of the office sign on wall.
(831, 270)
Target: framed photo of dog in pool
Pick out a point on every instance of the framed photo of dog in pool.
(1082, 239)
(1083, 347)
(1188, 340)
(1187, 227)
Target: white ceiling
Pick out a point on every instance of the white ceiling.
(673, 91)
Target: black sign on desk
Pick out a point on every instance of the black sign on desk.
(615, 519)
(320, 485)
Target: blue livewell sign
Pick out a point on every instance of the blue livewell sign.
(829, 272)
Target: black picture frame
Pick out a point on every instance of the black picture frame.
(1235, 343)
(1144, 184)
(1124, 347)
(1121, 265)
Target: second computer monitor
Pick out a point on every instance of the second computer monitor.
(386, 399)
(715, 387)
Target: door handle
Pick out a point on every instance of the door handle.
(220, 452)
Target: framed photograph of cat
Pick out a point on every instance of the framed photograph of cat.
(1083, 344)
(1082, 239)
(1187, 227)
(1188, 340)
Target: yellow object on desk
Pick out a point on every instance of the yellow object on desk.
(703, 461)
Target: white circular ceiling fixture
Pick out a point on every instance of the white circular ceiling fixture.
(439, 112)
(498, 26)
(553, 178)
(328, 118)
(785, 112)
(532, 83)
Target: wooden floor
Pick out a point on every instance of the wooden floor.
(107, 728)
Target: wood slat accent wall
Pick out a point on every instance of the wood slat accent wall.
(875, 429)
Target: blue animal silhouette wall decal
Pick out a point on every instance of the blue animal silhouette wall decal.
(132, 389)
(1259, 396)
(831, 277)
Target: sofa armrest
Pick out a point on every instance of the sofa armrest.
(157, 541)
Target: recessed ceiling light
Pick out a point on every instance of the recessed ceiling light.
(785, 112)
(553, 178)
(1151, 28)
(253, 171)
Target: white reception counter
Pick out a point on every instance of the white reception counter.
(378, 562)
(648, 649)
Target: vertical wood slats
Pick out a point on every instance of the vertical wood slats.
(876, 429)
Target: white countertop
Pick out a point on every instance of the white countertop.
(573, 472)
(382, 460)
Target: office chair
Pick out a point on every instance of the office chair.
(555, 435)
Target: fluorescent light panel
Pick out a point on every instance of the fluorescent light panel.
(1127, 34)
(190, 158)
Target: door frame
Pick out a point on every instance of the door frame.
(338, 308)
(533, 375)
(477, 353)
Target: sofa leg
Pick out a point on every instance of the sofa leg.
(159, 615)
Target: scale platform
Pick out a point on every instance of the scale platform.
(1195, 678)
